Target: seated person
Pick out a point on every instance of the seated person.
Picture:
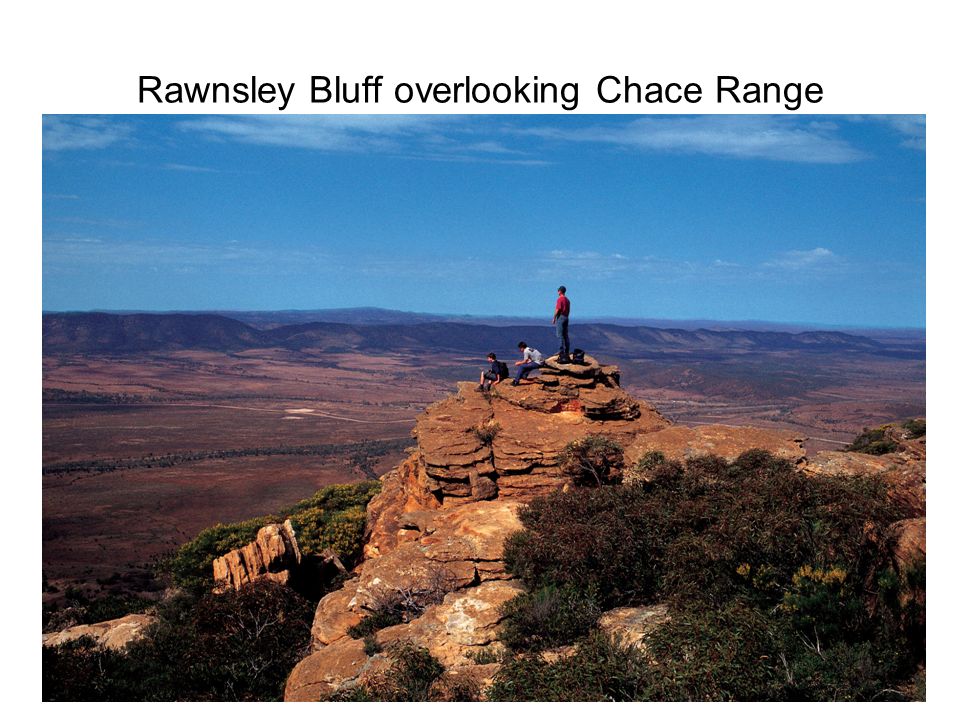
(532, 360)
(493, 376)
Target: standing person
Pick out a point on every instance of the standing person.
(532, 360)
(494, 375)
(561, 318)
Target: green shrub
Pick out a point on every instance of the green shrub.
(778, 585)
(335, 517)
(873, 441)
(915, 428)
(592, 461)
(547, 617)
(586, 538)
(730, 653)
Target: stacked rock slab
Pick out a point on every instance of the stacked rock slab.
(505, 443)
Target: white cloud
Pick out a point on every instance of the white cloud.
(187, 168)
(803, 259)
(340, 133)
(913, 128)
(422, 137)
(743, 137)
(81, 133)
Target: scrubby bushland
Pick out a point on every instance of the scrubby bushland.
(592, 461)
(713, 531)
(79, 609)
(778, 584)
(335, 517)
(234, 646)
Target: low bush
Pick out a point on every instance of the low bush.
(689, 536)
(487, 431)
(592, 461)
(599, 669)
(873, 441)
(547, 617)
(915, 428)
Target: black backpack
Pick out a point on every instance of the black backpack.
(504, 370)
(577, 357)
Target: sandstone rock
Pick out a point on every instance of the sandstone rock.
(334, 616)
(631, 624)
(466, 621)
(111, 634)
(274, 556)
(904, 473)
(907, 540)
(833, 462)
(482, 487)
(458, 546)
(683, 443)
(329, 669)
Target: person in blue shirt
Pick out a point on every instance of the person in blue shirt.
(491, 377)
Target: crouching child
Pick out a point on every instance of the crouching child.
(498, 371)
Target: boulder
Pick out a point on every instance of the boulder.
(630, 625)
(111, 634)
(327, 670)
(466, 621)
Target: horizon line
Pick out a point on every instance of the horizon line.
(526, 318)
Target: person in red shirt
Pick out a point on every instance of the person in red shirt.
(561, 318)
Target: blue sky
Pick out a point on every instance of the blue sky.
(802, 219)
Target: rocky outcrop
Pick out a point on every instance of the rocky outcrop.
(685, 443)
(274, 555)
(477, 446)
(114, 634)
(436, 532)
(630, 625)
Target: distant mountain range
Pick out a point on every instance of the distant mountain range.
(113, 333)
